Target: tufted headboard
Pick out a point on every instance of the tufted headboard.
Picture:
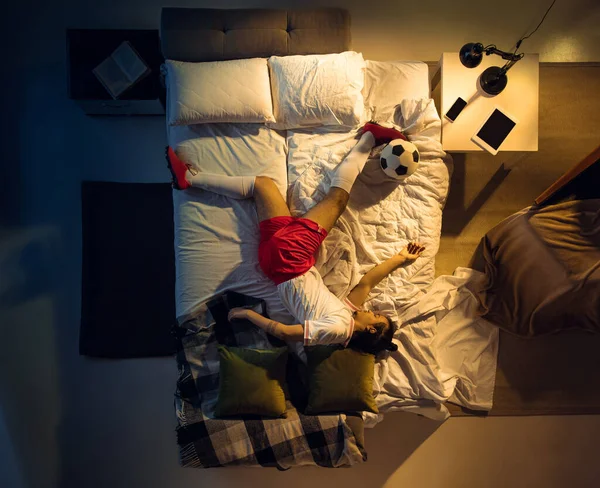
(201, 34)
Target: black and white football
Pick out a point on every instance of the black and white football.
(399, 159)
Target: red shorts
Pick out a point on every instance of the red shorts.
(287, 246)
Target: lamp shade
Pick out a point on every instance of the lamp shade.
(471, 54)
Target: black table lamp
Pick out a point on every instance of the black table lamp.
(493, 80)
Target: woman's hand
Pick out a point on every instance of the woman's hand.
(360, 292)
(412, 251)
(237, 314)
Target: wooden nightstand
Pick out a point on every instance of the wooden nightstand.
(86, 48)
(519, 99)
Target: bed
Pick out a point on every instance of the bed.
(216, 238)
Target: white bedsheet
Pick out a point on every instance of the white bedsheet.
(445, 352)
(216, 238)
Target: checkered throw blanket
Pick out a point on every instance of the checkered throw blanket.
(205, 442)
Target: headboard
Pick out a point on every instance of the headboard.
(202, 34)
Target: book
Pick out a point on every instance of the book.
(121, 70)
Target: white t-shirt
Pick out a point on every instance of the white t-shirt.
(326, 319)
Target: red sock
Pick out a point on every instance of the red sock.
(382, 134)
(178, 169)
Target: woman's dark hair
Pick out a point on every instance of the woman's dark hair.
(375, 343)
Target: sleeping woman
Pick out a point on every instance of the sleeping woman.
(287, 250)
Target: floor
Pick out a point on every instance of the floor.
(72, 422)
(486, 189)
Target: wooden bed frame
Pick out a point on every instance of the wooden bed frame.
(198, 34)
(569, 176)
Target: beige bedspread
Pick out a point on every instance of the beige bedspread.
(543, 266)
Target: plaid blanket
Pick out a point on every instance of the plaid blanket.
(205, 442)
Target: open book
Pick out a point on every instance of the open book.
(121, 70)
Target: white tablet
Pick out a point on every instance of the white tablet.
(494, 131)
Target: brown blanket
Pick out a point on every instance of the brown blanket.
(543, 266)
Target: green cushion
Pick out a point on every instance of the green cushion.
(340, 380)
(251, 382)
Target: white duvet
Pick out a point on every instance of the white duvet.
(444, 350)
(383, 214)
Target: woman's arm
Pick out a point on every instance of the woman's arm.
(287, 333)
(360, 292)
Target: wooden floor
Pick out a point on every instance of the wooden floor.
(559, 374)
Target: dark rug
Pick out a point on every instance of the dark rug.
(128, 270)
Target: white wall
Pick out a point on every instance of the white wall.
(70, 421)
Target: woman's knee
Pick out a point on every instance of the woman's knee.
(262, 183)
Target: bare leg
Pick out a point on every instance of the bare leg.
(269, 202)
(327, 211)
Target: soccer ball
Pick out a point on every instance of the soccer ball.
(399, 159)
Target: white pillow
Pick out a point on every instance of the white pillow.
(235, 91)
(324, 89)
(387, 83)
